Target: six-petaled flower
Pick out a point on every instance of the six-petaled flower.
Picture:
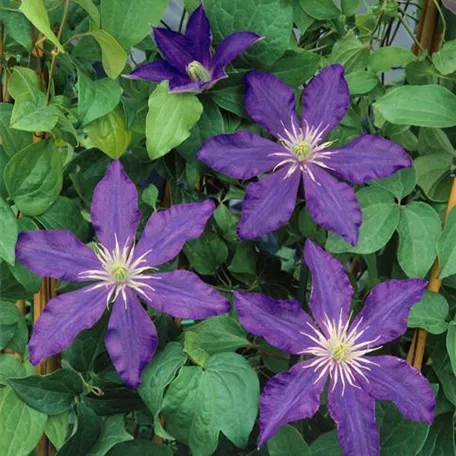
(188, 63)
(300, 153)
(338, 350)
(122, 272)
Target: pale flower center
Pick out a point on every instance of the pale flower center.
(198, 72)
(340, 353)
(303, 145)
(120, 270)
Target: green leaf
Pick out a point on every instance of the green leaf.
(423, 106)
(349, 7)
(399, 436)
(419, 228)
(88, 430)
(244, 261)
(451, 344)
(140, 448)
(51, 394)
(294, 68)
(446, 247)
(129, 22)
(12, 140)
(18, 28)
(440, 440)
(320, 9)
(91, 10)
(380, 220)
(10, 366)
(113, 432)
(158, 374)
(20, 426)
(350, 52)
(31, 111)
(301, 19)
(220, 334)
(385, 58)
(442, 367)
(430, 313)
(170, 119)
(65, 214)
(227, 222)
(13, 329)
(222, 397)
(96, 98)
(35, 12)
(192, 348)
(9, 230)
(400, 184)
(270, 19)
(433, 176)
(229, 94)
(150, 196)
(434, 141)
(34, 177)
(56, 429)
(326, 445)
(288, 442)
(361, 82)
(206, 254)
(444, 59)
(113, 56)
(109, 134)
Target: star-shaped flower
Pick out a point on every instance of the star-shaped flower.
(188, 63)
(300, 153)
(122, 273)
(339, 351)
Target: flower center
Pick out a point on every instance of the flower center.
(339, 352)
(120, 269)
(197, 72)
(119, 272)
(302, 149)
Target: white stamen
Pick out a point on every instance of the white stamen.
(119, 271)
(303, 145)
(337, 351)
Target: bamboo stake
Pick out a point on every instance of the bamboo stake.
(428, 35)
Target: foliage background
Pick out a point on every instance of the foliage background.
(65, 114)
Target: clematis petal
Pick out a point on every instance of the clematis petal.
(331, 290)
(114, 209)
(55, 253)
(184, 85)
(199, 32)
(289, 396)
(271, 103)
(268, 204)
(354, 414)
(131, 338)
(365, 158)
(183, 294)
(63, 318)
(231, 47)
(279, 321)
(332, 204)
(158, 71)
(393, 379)
(176, 48)
(385, 314)
(326, 99)
(167, 231)
(241, 155)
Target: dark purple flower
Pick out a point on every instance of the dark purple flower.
(123, 272)
(338, 351)
(188, 63)
(300, 153)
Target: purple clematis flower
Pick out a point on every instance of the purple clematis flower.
(122, 272)
(300, 153)
(338, 350)
(189, 65)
